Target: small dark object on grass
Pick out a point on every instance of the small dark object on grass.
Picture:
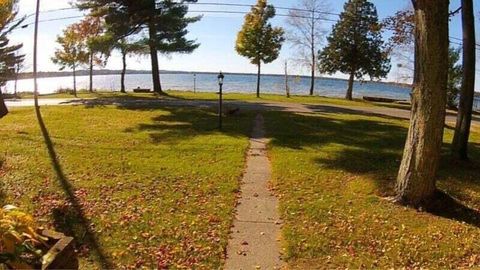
(233, 112)
(141, 90)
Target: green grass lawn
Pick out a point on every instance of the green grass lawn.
(213, 96)
(334, 173)
(137, 187)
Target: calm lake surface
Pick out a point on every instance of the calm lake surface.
(208, 83)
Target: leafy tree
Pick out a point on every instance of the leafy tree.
(355, 46)
(455, 72)
(165, 23)
(465, 106)
(73, 52)
(89, 29)
(258, 40)
(9, 56)
(306, 33)
(401, 43)
(416, 183)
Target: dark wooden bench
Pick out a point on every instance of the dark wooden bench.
(141, 90)
(380, 99)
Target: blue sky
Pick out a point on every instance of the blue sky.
(215, 32)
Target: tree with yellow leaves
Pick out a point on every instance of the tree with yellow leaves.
(258, 40)
(73, 52)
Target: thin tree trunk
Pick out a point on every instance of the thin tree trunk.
(349, 94)
(74, 81)
(416, 177)
(157, 86)
(35, 47)
(258, 78)
(124, 70)
(91, 73)
(16, 83)
(312, 83)
(3, 107)
(465, 106)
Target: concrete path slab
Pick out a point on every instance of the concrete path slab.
(256, 229)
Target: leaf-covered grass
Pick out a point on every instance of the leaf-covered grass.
(137, 187)
(334, 173)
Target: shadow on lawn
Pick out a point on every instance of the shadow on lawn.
(372, 147)
(368, 147)
(71, 217)
(182, 124)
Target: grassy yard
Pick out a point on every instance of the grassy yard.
(334, 173)
(212, 96)
(136, 187)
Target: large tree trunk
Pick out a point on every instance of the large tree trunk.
(74, 80)
(124, 70)
(3, 107)
(416, 177)
(349, 94)
(90, 89)
(157, 87)
(258, 78)
(464, 117)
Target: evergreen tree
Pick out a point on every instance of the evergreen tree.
(258, 40)
(355, 46)
(9, 56)
(455, 71)
(165, 22)
(126, 46)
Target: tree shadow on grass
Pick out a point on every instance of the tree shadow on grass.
(363, 146)
(183, 124)
(71, 219)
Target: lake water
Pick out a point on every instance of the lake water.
(208, 83)
(233, 83)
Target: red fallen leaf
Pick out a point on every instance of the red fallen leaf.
(351, 251)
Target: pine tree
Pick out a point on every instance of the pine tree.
(355, 46)
(166, 22)
(455, 71)
(258, 40)
(9, 56)
(126, 46)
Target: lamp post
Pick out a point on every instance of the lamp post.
(220, 100)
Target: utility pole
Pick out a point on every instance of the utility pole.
(287, 88)
(194, 83)
(35, 39)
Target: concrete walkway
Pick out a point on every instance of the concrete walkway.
(256, 229)
(258, 106)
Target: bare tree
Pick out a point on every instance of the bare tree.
(305, 32)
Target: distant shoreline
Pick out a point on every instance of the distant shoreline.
(103, 72)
